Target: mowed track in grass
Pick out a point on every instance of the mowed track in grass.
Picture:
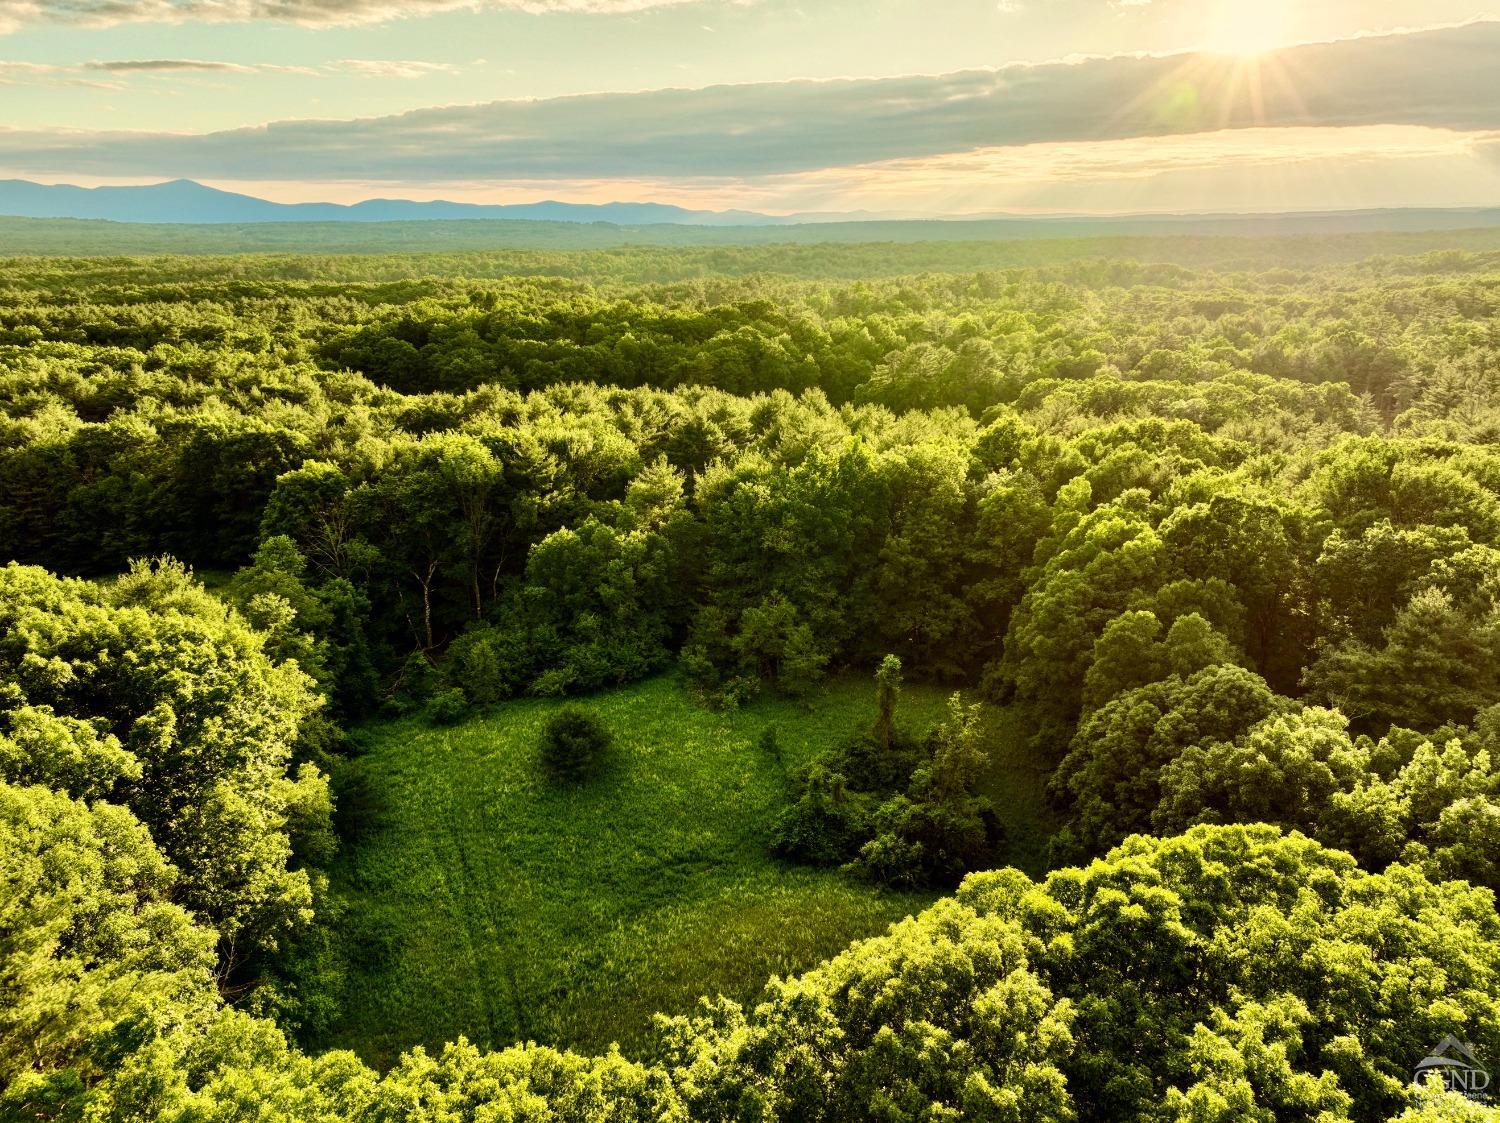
(488, 901)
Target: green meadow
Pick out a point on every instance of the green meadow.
(482, 899)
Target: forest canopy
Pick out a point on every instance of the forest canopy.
(1225, 540)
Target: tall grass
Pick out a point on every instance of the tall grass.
(488, 900)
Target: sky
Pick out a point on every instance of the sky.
(901, 107)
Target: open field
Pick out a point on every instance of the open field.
(491, 903)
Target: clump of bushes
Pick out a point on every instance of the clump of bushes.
(575, 744)
(939, 829)
(892, 809)
(446, 707)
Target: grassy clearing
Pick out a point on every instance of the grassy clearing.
(490, 902)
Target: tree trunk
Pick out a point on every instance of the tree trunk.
(426, 583)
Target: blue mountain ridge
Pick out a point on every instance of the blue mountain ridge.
(184, 201)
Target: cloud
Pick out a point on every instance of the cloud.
(392, 68)
(134, 66)
(1237, 170)
(1245, 169)
(1441, 78)
(42, 74)
(38, 73)
(1154, 156)
(314, 13)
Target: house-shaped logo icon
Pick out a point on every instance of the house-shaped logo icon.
(1455, 1064)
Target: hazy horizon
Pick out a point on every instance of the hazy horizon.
(354, 200)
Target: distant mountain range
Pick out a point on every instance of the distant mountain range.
(182, 201)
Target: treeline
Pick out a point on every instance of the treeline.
(35, 248)
(848, 249)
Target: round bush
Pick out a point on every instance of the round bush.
(574, 743)
(447, 707)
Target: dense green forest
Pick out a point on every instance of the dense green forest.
(849, 249)
(416, 671)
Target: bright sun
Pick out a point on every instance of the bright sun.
(1248, 27)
